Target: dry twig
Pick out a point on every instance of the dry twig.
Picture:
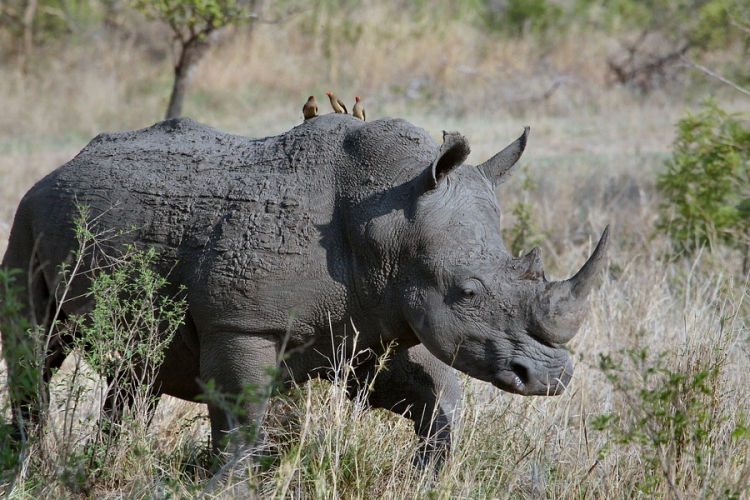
(713, 74)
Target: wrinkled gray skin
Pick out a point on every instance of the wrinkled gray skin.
(335, 222)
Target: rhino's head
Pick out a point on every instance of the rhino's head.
(473, 305)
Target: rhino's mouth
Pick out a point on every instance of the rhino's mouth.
(521, 379)
(509, 382)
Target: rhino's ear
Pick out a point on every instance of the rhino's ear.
(452, 154)
(499, 167)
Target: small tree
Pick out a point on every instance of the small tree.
(22, 17)
(194, 24)
(707, 182)
(29, 23)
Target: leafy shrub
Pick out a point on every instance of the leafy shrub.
(673, 416)
(699, 23)
(706, 184)
(524, 233)
(123, 339)
(13, 322)
(517, 17)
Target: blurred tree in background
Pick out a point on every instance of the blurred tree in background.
(30, 23)
(656, 35)
(194, 23)
(332, 23)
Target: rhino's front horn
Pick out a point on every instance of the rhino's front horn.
(561, 307)
(583, 281)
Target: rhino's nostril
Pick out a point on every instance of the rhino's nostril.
(522, 371)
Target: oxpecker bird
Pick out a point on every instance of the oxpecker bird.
(358, 110)
(336, 104)
(310, 109)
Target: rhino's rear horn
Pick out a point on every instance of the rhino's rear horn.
(530, 265)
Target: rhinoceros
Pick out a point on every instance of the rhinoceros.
(283, 243)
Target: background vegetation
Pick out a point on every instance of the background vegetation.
(614, 93)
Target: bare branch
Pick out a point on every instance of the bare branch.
(60, 14)
(467, 70)
(743, 26)
(6, 14)
(556, 84)
(280, 18)
(713, 74)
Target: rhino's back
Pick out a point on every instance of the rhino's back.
(178, 182)
(233, 212)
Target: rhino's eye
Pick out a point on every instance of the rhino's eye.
(471, 289)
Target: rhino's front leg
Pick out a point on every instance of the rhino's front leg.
(239, 372)
(422, 388)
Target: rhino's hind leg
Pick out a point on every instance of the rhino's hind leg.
(418, 386)
(33, 347)
(239, 372)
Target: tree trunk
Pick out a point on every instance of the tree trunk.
(191, 52)
(27, 24)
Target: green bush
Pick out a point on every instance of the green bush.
(517, 17)
(123, 339)
(524, 233)
(702, 24)
(706, 185)
(12, 324)
(673, 416)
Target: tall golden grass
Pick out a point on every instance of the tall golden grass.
(594, 151)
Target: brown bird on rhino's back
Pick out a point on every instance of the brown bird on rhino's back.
(310, 109)
(358, 110)
(336, 104)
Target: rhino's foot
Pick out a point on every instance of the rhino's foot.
(233, 471)
(430, 456)
(11, 446)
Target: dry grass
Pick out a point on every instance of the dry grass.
(593, 153)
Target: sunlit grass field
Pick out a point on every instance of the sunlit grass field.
(658, 405)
